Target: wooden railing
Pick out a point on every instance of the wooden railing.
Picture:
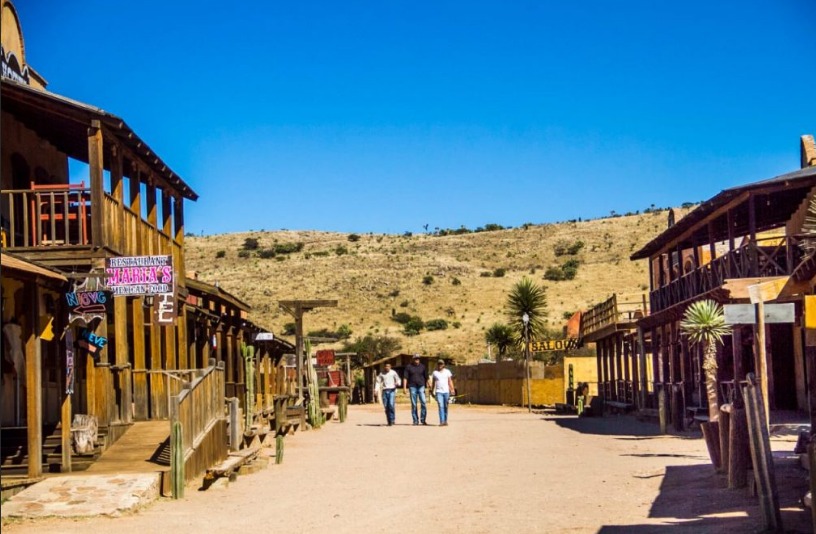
(61, 215)
(46, 216)
(610, 312)
(198, 412)
(770, 257)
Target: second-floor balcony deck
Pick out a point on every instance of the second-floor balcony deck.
(609, 317)
(778, 256)
(56, 224)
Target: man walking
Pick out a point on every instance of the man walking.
(442, 385)
(389, 381)
(415, 379)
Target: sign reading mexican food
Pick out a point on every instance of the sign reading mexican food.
(139, 275)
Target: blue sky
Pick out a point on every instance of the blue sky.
(385, 116)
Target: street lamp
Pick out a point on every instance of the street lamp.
(526, 320)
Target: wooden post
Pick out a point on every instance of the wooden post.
(120, 311)
(724, 432)
(136, 207)
(235, 424)
(117, 191)
(762, 360)
(33, 380)
(661, 408)
(96, 169)
(170, 346)
(183, 358)
(642, 367)
(158, 393)
(140, 399)
(762, 456)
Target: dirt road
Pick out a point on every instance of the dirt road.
(494, 469)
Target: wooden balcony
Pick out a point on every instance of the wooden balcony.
(55, 225)
(609, 317)
(762, 258)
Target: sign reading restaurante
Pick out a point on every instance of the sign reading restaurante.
(139, 275)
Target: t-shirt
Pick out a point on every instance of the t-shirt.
(441, 380)
(415, 375)
(389, 380)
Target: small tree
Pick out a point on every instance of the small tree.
(500, 335)
(704, 324)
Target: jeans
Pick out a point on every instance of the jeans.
(442, 400)
(389, 402)
(418, 392)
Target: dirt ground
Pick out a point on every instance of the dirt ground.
(493, 469)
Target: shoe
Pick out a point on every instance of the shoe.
(390, 423)
(443, 424)
(415, 424)
(424, 423)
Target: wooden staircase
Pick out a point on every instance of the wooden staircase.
(14, 450)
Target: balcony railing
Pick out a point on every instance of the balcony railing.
(767, 257)
(47, 217)
(609, 313)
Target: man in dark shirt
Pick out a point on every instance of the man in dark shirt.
(416, 376)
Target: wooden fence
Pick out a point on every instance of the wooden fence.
(198, 412)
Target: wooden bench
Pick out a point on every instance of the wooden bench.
(234, 461)
(618, 407)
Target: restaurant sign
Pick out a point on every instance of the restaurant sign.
(140, 275)
(325, 358)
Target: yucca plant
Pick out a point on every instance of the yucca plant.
(704, 324)
(530, 298)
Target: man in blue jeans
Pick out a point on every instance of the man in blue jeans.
(442, 385)
(415, 379)
(389, 381)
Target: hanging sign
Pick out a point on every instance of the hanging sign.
(90, 341)
(69, 362)
(554, 344)
(140, 275)
(12, 69)
(164, 308)
(325, 358)
(746, 313)
(88, 302)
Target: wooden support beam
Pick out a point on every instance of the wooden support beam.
(140, 398)
(96, 169)
(135, 183)
(184, 359)
(118, 194)
(33, 380)
(169, 334)
(178, 215)
(120, 329)
(158, 393)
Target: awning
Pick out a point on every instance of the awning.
(17, 264)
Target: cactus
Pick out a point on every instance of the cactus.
(177, 462)
(342, 406)
(279, 449)
(248, 352)
(315, 414)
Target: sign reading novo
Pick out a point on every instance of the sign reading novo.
(139, 275)
(554, 344)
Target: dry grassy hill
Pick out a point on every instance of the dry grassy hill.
(382, 274)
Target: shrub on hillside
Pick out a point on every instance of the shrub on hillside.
(401, 317)
(266, 253)
(288, 248)
(288, 329)
(243, 253)
(455, 281)
(250, 243)
(220, 253)
(436, 324)
(340, 250)
(499, 273)
(413, 327)
(353, 238)
(427, 279)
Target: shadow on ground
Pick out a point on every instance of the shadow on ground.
(693, 498)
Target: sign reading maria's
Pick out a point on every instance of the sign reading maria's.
(139, 275)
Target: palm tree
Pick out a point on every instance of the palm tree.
(526, 309)
(527, 297)
(704, 323)
(500, 335)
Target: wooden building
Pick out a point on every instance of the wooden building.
(741, 237)
(623, 377)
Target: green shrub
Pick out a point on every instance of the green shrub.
(404, 304)
(455, 281)
(340, 250)
(554, 273)
(401, 317)
(243, 253)
(456, 324)
(250, 243)
(289, 329)
(266, 253)
(485, 274)
(321, 253)
(353, 238)
(413, 327)
(427, 279)
(288, 248)
(220, 253)
(394, 293)
(499, 273)
(436, 324)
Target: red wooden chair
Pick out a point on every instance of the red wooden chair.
(58, 204)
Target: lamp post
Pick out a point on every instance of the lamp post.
(526, 320)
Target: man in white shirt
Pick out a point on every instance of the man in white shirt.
(389, 381)
(442, 386)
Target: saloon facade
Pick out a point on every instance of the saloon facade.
(742, 237)
(118, 358)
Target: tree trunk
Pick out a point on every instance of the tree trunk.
(711, 383)
(711, 434)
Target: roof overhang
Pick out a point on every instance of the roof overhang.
(15, 263)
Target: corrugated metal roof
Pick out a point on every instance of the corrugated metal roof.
(18, 264)
(802, 177)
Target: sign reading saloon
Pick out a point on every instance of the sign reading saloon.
(139, 275)
(554, 344)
